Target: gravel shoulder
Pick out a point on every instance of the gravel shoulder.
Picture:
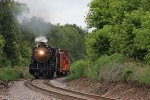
(3, 93)
(19, 92)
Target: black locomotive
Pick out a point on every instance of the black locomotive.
(46, 60)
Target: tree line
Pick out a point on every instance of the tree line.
(121, 26)
(17, 38)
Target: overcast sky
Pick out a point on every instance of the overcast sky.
(59, 11)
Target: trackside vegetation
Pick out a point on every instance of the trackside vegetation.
(12, 74)
(78, 69)
(118, 48)
(114, 68)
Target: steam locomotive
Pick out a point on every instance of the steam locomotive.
(47, 60)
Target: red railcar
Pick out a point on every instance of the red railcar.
(64, 62)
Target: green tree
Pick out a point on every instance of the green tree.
(10, 30)
(98, 43)
(126, 22)
(69, 37)
(2, 43)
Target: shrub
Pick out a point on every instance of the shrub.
(111, 69)
(78, 69)
(127, 75)
(24, 62)
(10, 74)
(143, 77)
(93, 72)
(112, 73)
(106, 67)
(26, 74)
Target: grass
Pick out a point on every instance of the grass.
(9, 74)
(106, 68)
(144, 76)
(12, 74)
(25, 71)
(112, 69)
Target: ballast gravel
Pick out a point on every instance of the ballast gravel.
(20, 92)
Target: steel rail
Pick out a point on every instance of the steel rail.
(90, 96)
(31, 86)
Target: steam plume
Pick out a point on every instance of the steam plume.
(41, 39)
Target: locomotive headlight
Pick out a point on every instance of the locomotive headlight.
(41, 52)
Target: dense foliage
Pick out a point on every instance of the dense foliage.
(69, 37)
(121, 27)
(9, 30)
(17, 37)
(118, 49)
(11, 74)
(112, 68)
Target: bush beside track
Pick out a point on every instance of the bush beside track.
(13, 74)
(112, 68)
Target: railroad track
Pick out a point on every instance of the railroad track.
(43, 86)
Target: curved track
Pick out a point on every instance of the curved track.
(90, 96)
(45, 87)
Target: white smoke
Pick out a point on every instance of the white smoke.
(41, 39)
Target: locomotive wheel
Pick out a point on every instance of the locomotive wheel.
(58, 74)
(36, 77)
(50, 75)
(66, 73)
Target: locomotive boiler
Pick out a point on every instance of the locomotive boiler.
(47, 60)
